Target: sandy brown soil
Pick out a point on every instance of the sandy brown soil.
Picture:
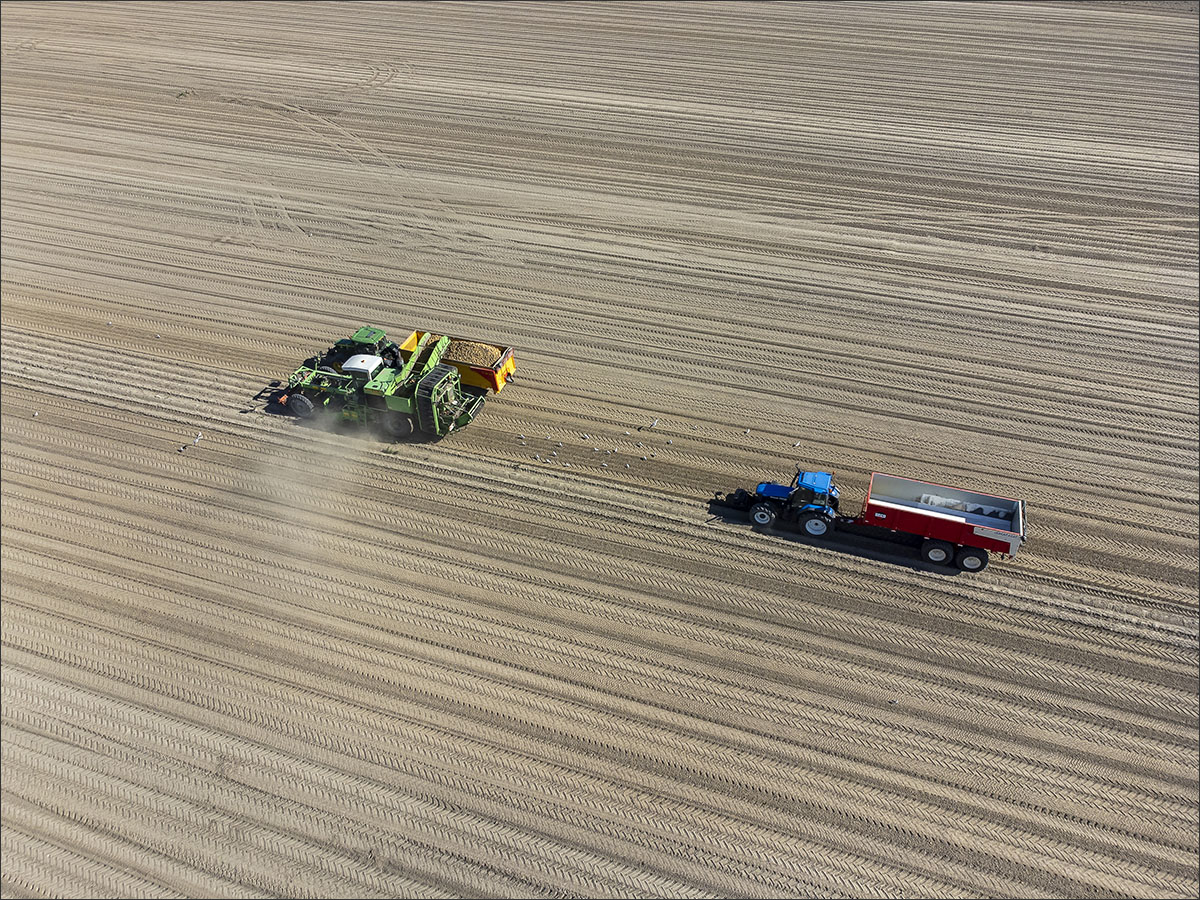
(954, 242)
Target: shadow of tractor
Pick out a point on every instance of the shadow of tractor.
(849, 540)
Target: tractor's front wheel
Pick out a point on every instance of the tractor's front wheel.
(397, 425)
(763, 515)
(302, 406)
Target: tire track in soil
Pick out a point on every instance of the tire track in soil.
(286, 659)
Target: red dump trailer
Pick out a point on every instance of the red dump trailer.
(956, 523)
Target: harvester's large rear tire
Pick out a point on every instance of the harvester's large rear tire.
(940, 553)
(302, 406)
(815, 524)
(971, 559)
(397, 425)
(763, 515)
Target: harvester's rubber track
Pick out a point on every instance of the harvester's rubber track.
(424, 396)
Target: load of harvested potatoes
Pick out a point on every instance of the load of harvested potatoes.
(473, 353)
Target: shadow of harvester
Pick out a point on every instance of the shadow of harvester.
(269, 396)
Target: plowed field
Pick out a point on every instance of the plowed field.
(243, 657)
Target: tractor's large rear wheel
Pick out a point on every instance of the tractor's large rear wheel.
(396, 425)
(302, 406)
(815, 524)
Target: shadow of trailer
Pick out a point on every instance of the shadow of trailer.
(850, 540)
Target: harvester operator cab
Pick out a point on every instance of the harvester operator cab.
(373, 342)
(368, 340)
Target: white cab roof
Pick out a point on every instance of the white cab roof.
(362, 364)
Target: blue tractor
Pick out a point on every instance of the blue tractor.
(809, 504)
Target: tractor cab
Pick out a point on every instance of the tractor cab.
(810, 491)
(815, 490)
